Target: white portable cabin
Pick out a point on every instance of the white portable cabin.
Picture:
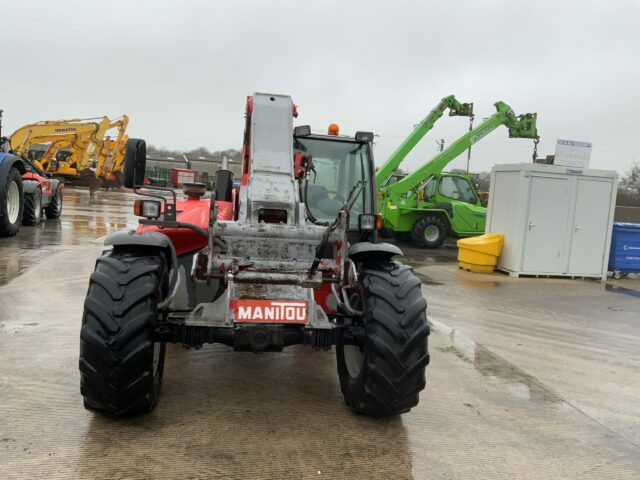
(556, 220)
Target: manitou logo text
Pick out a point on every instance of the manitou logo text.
(269, 311)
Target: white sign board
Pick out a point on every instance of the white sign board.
(572, 154)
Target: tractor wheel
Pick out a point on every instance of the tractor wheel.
(54, 209)
(11, 204)
(32, 208)
(384, 374)
(429, 231)
(120, 363)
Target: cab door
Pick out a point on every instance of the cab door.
(468, 215)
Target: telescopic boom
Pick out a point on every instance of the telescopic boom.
(393, 162)
(521, 126)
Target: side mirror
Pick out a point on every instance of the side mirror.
(135, 160)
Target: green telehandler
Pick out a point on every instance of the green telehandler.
(428, 205)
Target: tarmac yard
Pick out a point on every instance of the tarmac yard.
(529, 379)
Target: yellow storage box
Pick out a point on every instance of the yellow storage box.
(480, 254)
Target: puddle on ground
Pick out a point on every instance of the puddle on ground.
(480, 283)
(516, 381)
(14, 263)
(622, 290)
(490, 364)
(425, 279)
(11, 267)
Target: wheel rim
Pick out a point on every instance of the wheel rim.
(354, 359)
(38, 207)
(13, 202)
(431, 233)
(354, 354)
(156, 357)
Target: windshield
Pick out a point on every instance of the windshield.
(458, 188)
(339, 167)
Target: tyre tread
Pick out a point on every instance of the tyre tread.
(417, 232)
(30, 215)
(53, 211)
(396, 352)
(116, 338)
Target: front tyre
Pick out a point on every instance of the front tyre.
(120, 363)
(32, 208)
(429, 231)
(54, 209)
(11, 204)
(384, 374)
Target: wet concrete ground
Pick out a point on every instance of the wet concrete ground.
(530, 378)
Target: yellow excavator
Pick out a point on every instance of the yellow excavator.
(109, 166)
(83, 154)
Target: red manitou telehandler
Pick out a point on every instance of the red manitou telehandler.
(289, 257)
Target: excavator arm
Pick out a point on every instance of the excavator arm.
(393, 162)
(42, 132)
(58, 142)
(115, 149)
(84, 138)
(521, 126)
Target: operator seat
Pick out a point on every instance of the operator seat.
(318, 200)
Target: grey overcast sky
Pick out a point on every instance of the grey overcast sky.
(182, 69)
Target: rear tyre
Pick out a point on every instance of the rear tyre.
(120, 363)
(32, 208)
(384, 375)
(11, 204)
(54, 209)
(429, 231)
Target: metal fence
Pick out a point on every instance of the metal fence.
(158, 170)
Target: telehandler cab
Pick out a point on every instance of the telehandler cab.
(290, 257)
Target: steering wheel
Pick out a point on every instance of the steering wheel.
(336, 196)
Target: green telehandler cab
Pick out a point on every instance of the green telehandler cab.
(429, 205)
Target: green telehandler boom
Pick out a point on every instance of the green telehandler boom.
(384, 173)
(429, 205)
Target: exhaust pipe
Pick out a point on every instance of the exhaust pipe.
(224, 182)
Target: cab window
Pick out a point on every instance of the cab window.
(430, 189)
(339, 166)
(458, 188)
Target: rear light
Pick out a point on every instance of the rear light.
(378, 222)
(146, 208)
(367, 221)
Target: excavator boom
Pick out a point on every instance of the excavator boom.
(31, 134)
(393, 162)
(83, 138)
(113, 149)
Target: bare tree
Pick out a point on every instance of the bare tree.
(483, 181)
(629, 187)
